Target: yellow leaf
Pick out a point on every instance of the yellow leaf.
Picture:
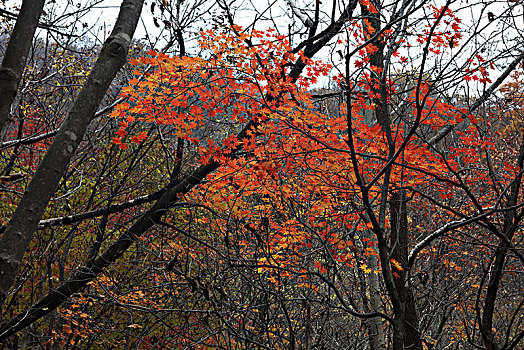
(397, 265)
(365, 268)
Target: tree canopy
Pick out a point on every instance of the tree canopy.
(289, 175)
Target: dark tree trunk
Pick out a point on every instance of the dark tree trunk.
(400, 246)
(19, 231)
(16, 55)
(89, 272)
(27, 216)
(509, 228)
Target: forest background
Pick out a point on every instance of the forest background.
(293, 175)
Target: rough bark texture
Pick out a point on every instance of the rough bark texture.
(371, 300)
(375, 328)
(400, 246)
(16, 55)
(24, 222)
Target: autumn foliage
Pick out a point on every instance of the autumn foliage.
(289, 204)
(377, 211)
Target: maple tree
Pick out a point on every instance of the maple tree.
(228, 202)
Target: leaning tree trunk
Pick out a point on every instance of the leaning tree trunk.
(29, 211)
(16, 55)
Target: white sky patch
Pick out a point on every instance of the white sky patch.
(490, 29)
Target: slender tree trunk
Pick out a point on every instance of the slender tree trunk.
(400, 246)
(380, 90)
(509, 229)
(29, 211)
(376, 333)
(370, 286)
(16, 55)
